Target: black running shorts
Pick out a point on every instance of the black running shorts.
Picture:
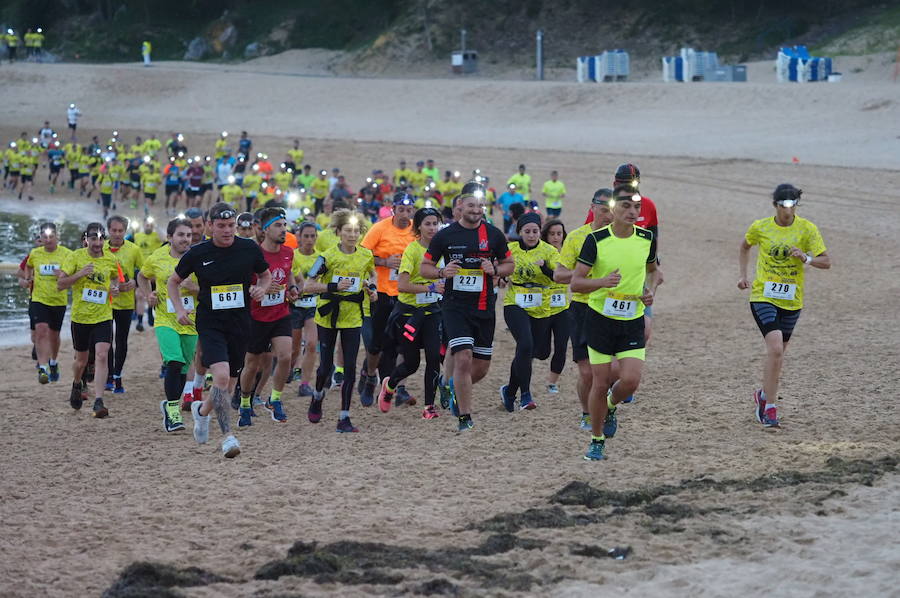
(469, 328)
(262, 333)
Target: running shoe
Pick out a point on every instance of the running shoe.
(172, 422)
(162, 371)
(509, 401)
(139, 327)
(586, 422)
(553, 389)
(54, 372)
(344, 426)
(454, 406)
(430, 413)
(526, 402)
(231, 448)
(402, 397)
(337, 379)
(444, 389)
(314, 414)
(759, 405)
(75, 398)
(201, 424)
(629, 399)
(245, 418)
(100, 411)
(186, 400)
(43, 376)
(109, 384)
(207, 381)
(596, 451)
(385, 396)
(276, 410)
(367, 396)
(305, 390)
(119, 389)
(465, 425)
(294, 375)
(611, 423)
(770, 418)
(257, 401)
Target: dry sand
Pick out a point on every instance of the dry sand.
(82, 499)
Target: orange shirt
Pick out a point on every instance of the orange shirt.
(384, 240)
(290, 240)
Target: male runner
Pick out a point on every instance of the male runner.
(130, 260)
(787, 244)
(176, 341)
(617, 266)
(48, 303)
(270, 319)
(224, 265)
(92, 273)
(387, 239)
(578, 308)
(475, 253)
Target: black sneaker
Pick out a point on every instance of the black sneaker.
(100, 411)
(75, 399)
(54, 372)
(139, 327)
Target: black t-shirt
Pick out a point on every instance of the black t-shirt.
(218, 268)
(471, 286)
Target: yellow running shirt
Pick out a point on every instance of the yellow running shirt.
(529, 287)
(779, 277)
(91, 302)
(45, 265)
(412, 258)
(130, 259)
(159, 267)
(358, 267)
(604, 252)
(568, 257)
(147, 242)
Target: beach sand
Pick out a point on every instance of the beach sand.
(719, 506)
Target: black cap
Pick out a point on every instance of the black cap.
(627, 174)
(527, 218)
(786, 191)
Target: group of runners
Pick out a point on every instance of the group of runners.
(244, 300)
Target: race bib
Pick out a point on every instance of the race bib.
(779, 290)
(273, 299)
(558, 300)
(394, 274)
(619, 306)
(186, 300)
(306, 301)
(227, 296)
(48, 269)
(354, 279)
(97, 296)
(470, 281)
(425, 298)
(526, 300)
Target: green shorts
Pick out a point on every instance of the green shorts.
(176, 347)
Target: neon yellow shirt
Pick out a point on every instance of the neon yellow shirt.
(358, 266)
(554, 191)
(779, 277)
(151, 181)
(45, 265)
(412, 259)
(91, 300)
(159, 267)
(318, 188)
(568, 257)
(130, 259)
(522, 183)
(147, 242)
(605, 252)
(529, 287)
(232, 194)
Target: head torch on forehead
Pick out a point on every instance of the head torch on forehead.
(224, 214)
